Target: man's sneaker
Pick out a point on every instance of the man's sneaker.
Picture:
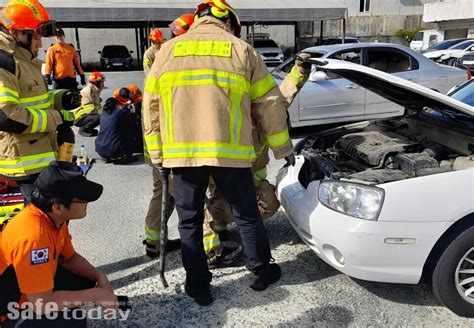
(152, 252)
(126, 159)
(228, 256)
(267, 275)
(201, 296)
(91, 133)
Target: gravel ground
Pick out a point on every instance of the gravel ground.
(310, 292)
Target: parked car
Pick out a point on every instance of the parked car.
(114, 56)
(269, 51)
(329, 98)
(335, 40)
(442, 45)
(450, 55)
(467, 61)
(391, 200)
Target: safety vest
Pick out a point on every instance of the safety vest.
(24, 98)
(197, 103)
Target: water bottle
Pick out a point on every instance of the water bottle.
(83, 152)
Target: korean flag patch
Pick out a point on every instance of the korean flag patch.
(39, 256)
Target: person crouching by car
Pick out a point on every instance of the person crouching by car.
(114, 141)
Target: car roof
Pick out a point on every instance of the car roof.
(393, 88)
(337, 47)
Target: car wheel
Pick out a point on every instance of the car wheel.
(453, 275)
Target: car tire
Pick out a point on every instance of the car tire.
(447, 274)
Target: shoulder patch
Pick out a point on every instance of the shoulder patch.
(39, 256)
(7, 62)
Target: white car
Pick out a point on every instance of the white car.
(391, 200)
(451, 55)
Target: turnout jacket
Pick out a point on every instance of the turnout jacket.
(28, 112)
(149, 58)
(90, 102)
(202, 92)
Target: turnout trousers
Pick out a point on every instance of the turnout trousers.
(237, 187)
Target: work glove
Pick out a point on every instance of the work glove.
(65, 134)
(48, 79)
(303, 63)
(290, 160)
(68, 117)
(163, 170)
(71, 99)
(83, 79)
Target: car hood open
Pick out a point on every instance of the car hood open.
(403, 92)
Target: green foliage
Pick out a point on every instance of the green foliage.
(407, 35)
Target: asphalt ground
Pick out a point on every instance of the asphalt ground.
(310, 292)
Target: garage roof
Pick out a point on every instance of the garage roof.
(165, 10)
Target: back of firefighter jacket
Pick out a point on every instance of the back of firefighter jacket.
(200, 96)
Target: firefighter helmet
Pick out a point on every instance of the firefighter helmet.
(219, 9)
(156, 35)
(96, 77)
(28, 16)
(181, 24)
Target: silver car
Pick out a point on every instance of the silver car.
(327, 98)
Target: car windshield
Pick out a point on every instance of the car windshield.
(463, 45)
(264, 44)
(444, 44)
(465, 93)
(115, 52)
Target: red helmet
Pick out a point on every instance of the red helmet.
(220, 9)
(29, 16)
(156, 35)
(96, 77)
(181, 24)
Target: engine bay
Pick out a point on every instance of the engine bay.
(384, 151)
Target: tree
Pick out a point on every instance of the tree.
(407, 35)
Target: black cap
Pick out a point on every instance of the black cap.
(65, 180)
(59, 32)
(125, 93)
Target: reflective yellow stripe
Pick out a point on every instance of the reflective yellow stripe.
(25, 163)
(260, 88)
(236, 117)
(297, 78)
(211, 242)
(203, 48)
(39, 102)
(279, 139)
(208, 150)
(166, 96)
(147, 62)
(40, 120)
(9, 95)
(152, 85)
(53, 94)
(85, 110)
(153, 142)
(151, 234)
(261, 174)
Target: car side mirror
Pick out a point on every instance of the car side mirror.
(317, 76)
(99, 52)
(472, 48)
(131, 51)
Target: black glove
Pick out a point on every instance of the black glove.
(302, 60)
(48, 79)
(83, 79)
(163, 170)
(290, 160)
(71, 99)
(65, 134)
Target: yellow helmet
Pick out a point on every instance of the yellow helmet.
(219, 9)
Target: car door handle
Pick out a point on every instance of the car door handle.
(352, 86)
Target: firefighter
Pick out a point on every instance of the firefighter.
(156, 38)
(181, 24)
(33, 121)
(62, 60)
(197, 116)
(218, 212)
(37, 257)
(87, 116)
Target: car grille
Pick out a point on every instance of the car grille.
(270, 54)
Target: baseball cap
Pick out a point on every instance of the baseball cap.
(66, 180)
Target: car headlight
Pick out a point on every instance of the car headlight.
(357, 200)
